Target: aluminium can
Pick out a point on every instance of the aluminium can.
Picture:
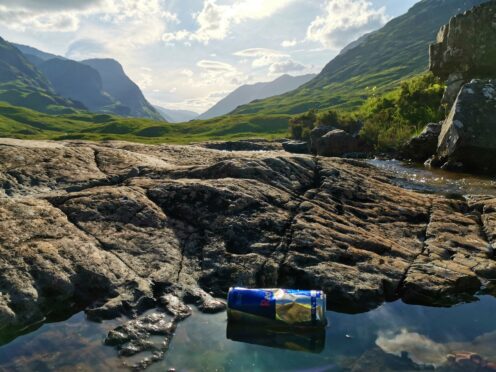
(287, 306)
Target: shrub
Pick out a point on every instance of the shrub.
(392, 119)
(301, 125)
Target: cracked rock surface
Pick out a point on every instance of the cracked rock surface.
(121, 228)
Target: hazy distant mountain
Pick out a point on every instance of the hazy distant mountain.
(99, 84)
(121, 87)
(79, 82)
(176, 116)
(22, 84)
(248, 93)
(34, 55)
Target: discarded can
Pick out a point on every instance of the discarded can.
(289, 306)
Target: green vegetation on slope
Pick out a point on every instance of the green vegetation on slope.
(23, 123)
(389, 120)
(300, 126)
(22, 84)
(380, 61)
(392, 119)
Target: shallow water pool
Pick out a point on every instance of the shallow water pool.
(395, 336)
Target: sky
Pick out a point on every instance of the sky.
(188, 54)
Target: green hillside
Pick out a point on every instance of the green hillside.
(395, 52)
(18, 122)
(22, 84)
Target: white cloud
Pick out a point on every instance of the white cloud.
(285, 67)
(145, 21)
(289, 43)
(262, 57)
(215, 21)
(186, 72)
(51, 5)
(22, 20)
(276, 61)
(215, 66)
(344, 21)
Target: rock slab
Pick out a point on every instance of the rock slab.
(468, 136)
(118, 228)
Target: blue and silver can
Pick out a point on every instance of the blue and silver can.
(288, 306)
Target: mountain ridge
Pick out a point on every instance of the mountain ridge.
(384, 57)
(23, 84)
(121, 87)
(176, 116)
(250, 92)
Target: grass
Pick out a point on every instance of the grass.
(385, 57)
(23, 123)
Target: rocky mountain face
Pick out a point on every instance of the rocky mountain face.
(122, 88)
(396, 51)
(35, 56)
(248, 93)
(465, 56)
(78, 82)
(176, 116)
(96, 85)
(465, 49)
(138, 227)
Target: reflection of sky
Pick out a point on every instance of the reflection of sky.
(200, 343)
(417, 177)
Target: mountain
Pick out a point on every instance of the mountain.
(176, 116)
(22, 84)
(103, 87)
(79, 82)
(122, 88)
(35, 56)
(248, 93)
(373, 64)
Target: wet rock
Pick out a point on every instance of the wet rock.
(423, 146)
(468, 361)
(175, 306)
(337, 143)
(316, 134)
(205, 302)
(194, 222)
(455, 56)
(135, 337)
(296, 147)
(468, 139)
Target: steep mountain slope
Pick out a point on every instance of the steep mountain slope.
(121, 87)
(248, 93)
(35, 56)
(398, 50)
(176, 116)
(78, 82)
(22, 84)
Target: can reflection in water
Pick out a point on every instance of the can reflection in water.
(287, 306)
(310, 340)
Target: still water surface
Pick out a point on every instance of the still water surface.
(378, 338)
